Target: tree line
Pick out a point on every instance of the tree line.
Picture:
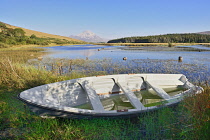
(168, 38)
(10, 37)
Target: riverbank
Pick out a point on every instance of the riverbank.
(50, 45)
(164, 48)
(150, 44)
(133, 46)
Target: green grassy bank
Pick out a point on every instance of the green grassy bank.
(188, 120)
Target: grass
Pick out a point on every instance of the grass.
(32, 45)
(188, 120)
(168, 123)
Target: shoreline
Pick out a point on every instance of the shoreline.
(128, 46)
(134, 45)
(150, 44)
(13, 47)
(163, 48)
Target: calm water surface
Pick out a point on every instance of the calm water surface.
(116, 53)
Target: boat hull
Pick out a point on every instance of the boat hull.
(46, 112)
(62, 99)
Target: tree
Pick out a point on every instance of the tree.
(173, 38)
(33, 36)
(18, 32)
(3, 27)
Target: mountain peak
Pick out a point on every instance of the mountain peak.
(89, 36)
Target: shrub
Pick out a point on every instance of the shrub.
(2, 45)
(170, 44)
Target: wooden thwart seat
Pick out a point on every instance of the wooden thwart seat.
(158, 90)
(130, 95)
(93, 97)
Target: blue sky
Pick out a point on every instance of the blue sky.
(108, 18)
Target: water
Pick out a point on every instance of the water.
(197, 47)
(195, 64)
(116, 53)
(79, 51)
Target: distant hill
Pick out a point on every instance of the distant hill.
(41, 34)
(168, 38)
(205, 33)
(11, 36)
(89, 36)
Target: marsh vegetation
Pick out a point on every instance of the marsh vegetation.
(21, 69)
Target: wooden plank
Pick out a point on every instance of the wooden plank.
(93, 97)
(130, 95)
(187, 84)
(158, 90)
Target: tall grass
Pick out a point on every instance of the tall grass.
(198, 109)
(188, 120)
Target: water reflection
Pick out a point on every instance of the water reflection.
(87, 53)
(77, 51)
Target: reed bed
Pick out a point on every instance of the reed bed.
(21, 69)
(196, 72)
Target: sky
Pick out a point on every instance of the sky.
(108, 18)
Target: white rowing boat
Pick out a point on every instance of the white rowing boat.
(108, 96)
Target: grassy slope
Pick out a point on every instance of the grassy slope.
(43, 35)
